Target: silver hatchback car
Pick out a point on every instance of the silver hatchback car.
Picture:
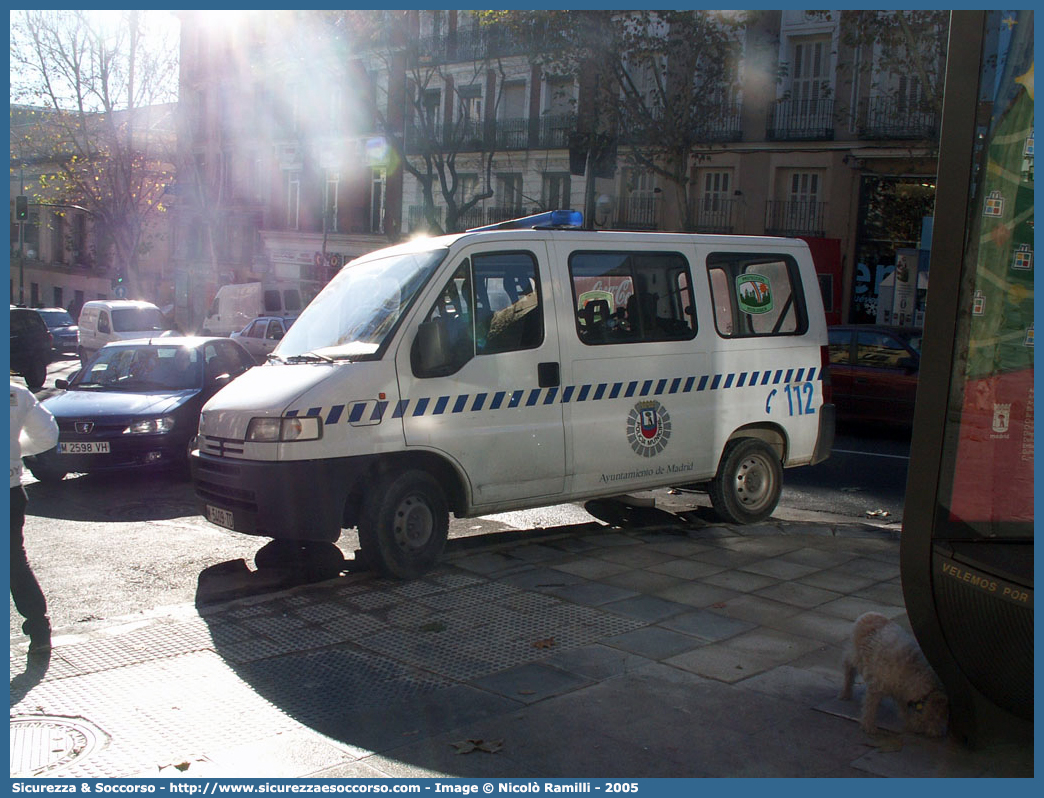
(261, 335)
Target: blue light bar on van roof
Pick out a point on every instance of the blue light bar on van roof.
(548, 219)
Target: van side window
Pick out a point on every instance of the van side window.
(756, 294)
(103, 322)
(490, 305)
(632, 297)
(508, 314)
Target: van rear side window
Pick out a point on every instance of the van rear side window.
(756, 294)
(632, 297)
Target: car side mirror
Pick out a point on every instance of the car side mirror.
(432, 354)
(61, 385)
(909, 365)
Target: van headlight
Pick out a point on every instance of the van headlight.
(150, 426)
(276, 430)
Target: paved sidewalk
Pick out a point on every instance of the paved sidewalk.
(671, 650)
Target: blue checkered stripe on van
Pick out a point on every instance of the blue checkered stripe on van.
(372, 412)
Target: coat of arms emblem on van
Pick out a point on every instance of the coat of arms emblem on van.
(648, 428)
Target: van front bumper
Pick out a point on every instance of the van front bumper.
(294, 500)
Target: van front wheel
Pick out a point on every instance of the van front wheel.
(749, 481)
(404, 524)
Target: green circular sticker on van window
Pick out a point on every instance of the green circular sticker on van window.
(754, 293)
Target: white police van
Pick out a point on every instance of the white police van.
(519, 365)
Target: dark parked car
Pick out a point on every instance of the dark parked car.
(30, 347)
(873, 372)
(136, 404)
(64, 331)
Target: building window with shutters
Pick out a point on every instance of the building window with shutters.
(509, 196)
(714, 210)
(556, 191)
(799, 209)
(333, 182)
(378, 181)
(293, 199)
(806, 111)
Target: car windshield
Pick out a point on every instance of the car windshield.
(57, 318)
(135, 319)
(142, 369)
(356, 312)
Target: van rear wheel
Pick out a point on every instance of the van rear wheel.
(404, 524)
(749, 482)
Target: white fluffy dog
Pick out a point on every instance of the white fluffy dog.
(891, 664)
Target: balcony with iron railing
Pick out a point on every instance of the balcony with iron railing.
(462, 136)
(715, 215)
(808, 120)
(722, 125)
(417, 220)
(554, 130)
(898, 118)
(717, 125)
(511, 134)
(551, 132)
(637, 212)
(795, 218)
(468, 44)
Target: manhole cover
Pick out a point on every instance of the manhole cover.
(43, 744)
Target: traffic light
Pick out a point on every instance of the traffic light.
(21, 208)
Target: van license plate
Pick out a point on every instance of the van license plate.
(90, 447)
(220, 517)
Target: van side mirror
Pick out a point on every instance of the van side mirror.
(433, 353)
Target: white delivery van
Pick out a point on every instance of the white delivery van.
(105, 320)
(238, 304)
(508, 368)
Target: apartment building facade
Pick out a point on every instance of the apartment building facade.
(281, 176)
(820, 138)
(59, 254)
(298, 154)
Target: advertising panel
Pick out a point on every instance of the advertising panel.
(992, 487)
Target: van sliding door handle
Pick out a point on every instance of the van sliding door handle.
(548, 375)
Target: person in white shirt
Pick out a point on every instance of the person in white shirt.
(33, 430)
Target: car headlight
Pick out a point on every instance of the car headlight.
(154, 426)
(274, 430)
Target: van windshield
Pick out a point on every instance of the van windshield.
(137, 320)
(359, 309)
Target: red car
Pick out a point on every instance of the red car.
(873, 372)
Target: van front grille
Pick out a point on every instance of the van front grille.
(220, 447)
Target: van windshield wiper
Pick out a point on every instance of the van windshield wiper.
(309, 357)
